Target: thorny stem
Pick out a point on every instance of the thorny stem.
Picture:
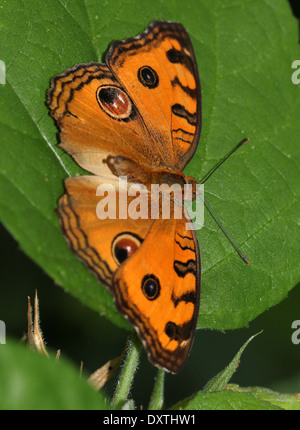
(129, 368)
(157, 397)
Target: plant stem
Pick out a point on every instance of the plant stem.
(157, 397)
(128, 371)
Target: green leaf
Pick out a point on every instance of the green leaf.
(219, 394)
(218, 382)
(217, 385)
(225, 400)
(284, 401)
(29, 380)
(244, 53)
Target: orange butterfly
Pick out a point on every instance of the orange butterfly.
(139, 116)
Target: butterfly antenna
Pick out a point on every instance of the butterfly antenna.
(245, 259)
(224, 159)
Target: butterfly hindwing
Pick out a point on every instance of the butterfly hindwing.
(94, 240)
(166, 257)
(158, 290)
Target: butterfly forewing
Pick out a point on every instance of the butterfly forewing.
(159, 71)
(81, 101)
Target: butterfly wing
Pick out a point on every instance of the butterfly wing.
(91, 239)
(117, 109)
(158, 69)
(166, 257)
(97, 118)
(158, 290)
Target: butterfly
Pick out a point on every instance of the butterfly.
(137, 116)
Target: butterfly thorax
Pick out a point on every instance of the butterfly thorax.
(166, 179)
